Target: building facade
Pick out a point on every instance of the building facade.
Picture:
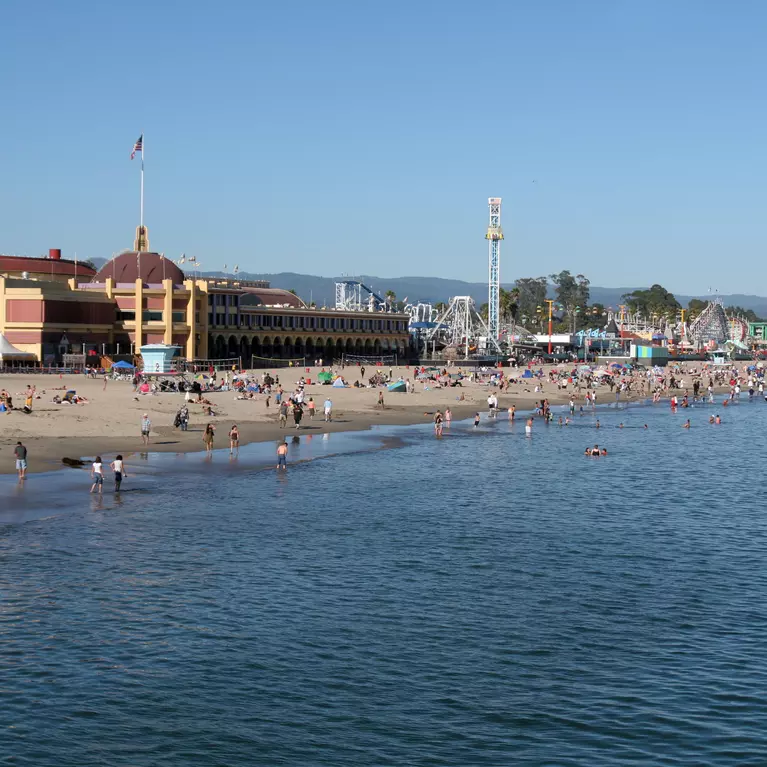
(142, 298)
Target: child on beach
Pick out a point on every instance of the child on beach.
(97, 474)
(311, 407)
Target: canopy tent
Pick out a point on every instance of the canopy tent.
(324, 377)
(9, 352)
(122, 365)
(397, 386)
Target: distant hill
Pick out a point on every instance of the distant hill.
(321, 290)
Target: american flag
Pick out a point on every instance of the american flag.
(138, 146)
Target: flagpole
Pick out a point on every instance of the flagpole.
(143, 144)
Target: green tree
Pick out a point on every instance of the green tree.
(531, 293)
(509, 304)
(655, 301)
(572, 295)
(747, 314)
(694, 307)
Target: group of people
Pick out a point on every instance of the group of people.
(6, 400)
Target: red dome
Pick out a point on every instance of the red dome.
(154, 268)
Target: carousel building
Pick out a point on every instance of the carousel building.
(140, 297)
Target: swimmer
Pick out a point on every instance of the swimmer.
(597, 424)
(645, 426)
(717, 420)
(476, 420)
(711, 419)
(529, 427)
(686, 424)
(604, 451)
(595, 450)
(620, 425)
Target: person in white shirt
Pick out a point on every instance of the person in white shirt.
(328, 409)
(118, 467)
(97, 474)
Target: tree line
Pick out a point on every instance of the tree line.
(526, 304)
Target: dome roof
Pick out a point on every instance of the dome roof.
(153, 268)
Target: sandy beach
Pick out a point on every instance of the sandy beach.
(110, 420)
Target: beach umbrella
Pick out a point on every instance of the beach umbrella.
(201, 377)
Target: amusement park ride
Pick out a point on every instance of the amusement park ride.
(458, 330)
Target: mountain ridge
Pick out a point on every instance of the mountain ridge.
(433, 290)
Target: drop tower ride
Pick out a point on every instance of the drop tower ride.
(494, 236)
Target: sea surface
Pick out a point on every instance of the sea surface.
(394, 599)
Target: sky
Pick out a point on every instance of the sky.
(627, 139)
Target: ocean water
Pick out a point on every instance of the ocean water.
(484, 599)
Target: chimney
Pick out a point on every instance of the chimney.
(54, 253)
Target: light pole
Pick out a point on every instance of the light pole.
(550, 302)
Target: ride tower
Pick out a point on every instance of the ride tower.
(494, 236)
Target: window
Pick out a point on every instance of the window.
(152, 316)
(179, 316)
(125, 316)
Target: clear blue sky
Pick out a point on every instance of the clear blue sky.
(627, 139)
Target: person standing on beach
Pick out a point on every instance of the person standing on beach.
(234, 439)
(529, 427)
(298, 412)
(146, 427)
(312, 408)
(207, 437)
(97, 474)
(448, 417)
(20, 453)
(183, 418)
(283, 414)
(438, 423)
(328, 407)
(282, 456)
(476, 420)
(118, 467)
(380, 400)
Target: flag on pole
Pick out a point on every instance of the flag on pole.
(138, 146)
(225, 267)
(236, 268)
(182, 260)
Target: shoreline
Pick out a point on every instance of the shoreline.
(354, 410)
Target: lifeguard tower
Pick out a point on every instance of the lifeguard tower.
(158, 358)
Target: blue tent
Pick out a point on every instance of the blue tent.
(123, 365)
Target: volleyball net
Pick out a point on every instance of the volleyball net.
(356, 359)
(259, 363)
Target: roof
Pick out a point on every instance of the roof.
(270, 297)
(50, 266)
(154, 268)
